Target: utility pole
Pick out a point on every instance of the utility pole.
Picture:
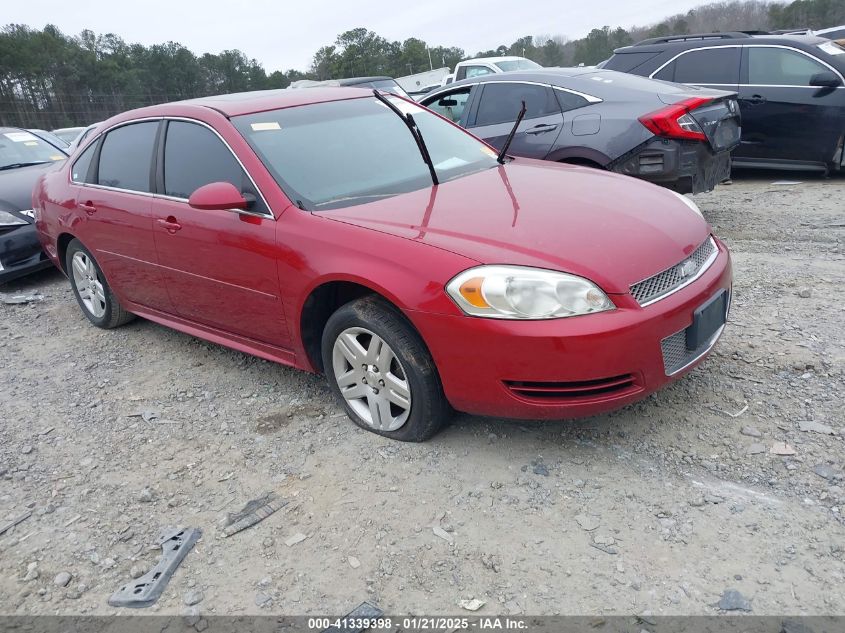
(430, 64)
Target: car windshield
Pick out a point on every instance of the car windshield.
(343, 153)
(518, 64)
(21, 148)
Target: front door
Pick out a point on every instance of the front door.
(783, 116)
(498, 108)
(219, 266)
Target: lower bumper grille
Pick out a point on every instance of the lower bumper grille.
(676, 356)
(576, 390)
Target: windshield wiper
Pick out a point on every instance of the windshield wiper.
(415, 132)
(29, 164)
(501, 156)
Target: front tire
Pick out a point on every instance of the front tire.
(92, 291)
(382, 372)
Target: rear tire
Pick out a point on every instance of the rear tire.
(92, 291)
(379, 368)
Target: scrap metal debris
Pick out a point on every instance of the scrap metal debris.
(364, 611)
(143, 592)
(11, 299)
(253, 512)
(8, 526)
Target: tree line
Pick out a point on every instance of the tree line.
(49, 79)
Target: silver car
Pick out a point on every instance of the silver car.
(671, 134)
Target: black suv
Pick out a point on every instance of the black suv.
(791, 90)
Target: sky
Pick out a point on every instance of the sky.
(283, 35)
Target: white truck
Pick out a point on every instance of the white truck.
(488, 65)
(420, 83)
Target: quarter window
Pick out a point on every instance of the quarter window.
(79, 173)
(451, 105)
(781, 67)
(126, 156)
(708, 66)
(194, 156)
(500, 102)
(568, 101)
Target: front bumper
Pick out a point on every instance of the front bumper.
(567, 368)
(21, 253)
(684, 166)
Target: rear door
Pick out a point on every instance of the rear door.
(114, 198)
(783, 116)
(219, 266)
(498, 105)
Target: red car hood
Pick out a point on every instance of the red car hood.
(612, 229)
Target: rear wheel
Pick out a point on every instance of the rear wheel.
(91, 289)
(380, 369)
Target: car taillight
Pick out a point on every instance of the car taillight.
(675, 121)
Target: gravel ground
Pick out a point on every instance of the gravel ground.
(657, 508)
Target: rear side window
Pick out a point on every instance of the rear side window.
(451, 106)
(79, 173)
(194, 156)
(708, 66)
(500, 102)
(568, 101)
(626, 62)
(781, 67)
(126, 156)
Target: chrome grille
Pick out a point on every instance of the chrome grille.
(674, 278)
(676, 356)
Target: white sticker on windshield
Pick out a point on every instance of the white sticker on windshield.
(263, 127)
(451, 163)
(20, 137)
(832, 48)
(404, 107)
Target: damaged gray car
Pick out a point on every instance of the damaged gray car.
(673, 135)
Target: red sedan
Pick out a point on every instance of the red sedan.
(360, 235)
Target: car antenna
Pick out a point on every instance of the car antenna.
(415, 132)
(501, 156)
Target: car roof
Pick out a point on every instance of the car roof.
(238, 103)
(699, 40)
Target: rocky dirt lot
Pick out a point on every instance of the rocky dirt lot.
(732, 478)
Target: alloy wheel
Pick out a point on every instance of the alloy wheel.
(88, 284)
(371, 379)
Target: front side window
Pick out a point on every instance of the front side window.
(343, 153)
(126, 156)
(19, 148)
(450, 105)
(501, 102)
(781, 67)
(194, 156)
(518, 64)
(79, 172)
(708, 66)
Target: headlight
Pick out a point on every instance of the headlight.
(7, 219)
(692, 205)
(518, 292)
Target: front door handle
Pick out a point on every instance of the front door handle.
(756, 99)
(543, 127)
(89, 208)
(170, 224)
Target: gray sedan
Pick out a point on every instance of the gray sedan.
(671, 134)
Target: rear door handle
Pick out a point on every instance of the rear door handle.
(756, 99)
(170, 224)
(543, 127)
(89, 208)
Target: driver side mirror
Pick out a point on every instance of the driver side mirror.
(826, 79)
(218, 196)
